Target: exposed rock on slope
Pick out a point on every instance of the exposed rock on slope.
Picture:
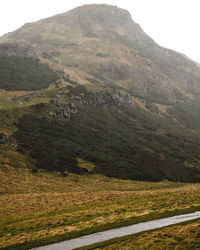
(7, 50)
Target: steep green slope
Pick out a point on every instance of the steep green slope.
(23, 73)
(120, 139)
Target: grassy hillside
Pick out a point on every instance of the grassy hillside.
(118, 138)
(51, 207)
(23, 73)
(115, 150)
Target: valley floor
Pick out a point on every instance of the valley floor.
(41, 208)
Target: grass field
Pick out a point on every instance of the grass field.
(47, 207)
(184, 236)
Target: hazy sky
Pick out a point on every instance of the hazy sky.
(171, 23)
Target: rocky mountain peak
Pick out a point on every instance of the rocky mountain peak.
(93, 21)
(101, 13)
(98, 19)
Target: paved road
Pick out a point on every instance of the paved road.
(118, 232)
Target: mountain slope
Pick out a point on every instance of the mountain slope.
(105, 43)
(115, 99)
(20, 69)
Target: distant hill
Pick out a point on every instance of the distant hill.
(102, 90)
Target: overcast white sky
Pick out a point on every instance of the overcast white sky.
(171, 23)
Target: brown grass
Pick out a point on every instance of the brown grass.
(182, 237)
(48, 204)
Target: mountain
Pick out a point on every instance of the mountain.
(89, 84)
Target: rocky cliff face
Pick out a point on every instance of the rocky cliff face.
(63, 105)
(7, 50)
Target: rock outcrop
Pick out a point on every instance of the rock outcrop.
(4, 139)
(7, 49)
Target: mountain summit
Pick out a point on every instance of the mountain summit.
(83, 22)
(94, 86)
(104, 43)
